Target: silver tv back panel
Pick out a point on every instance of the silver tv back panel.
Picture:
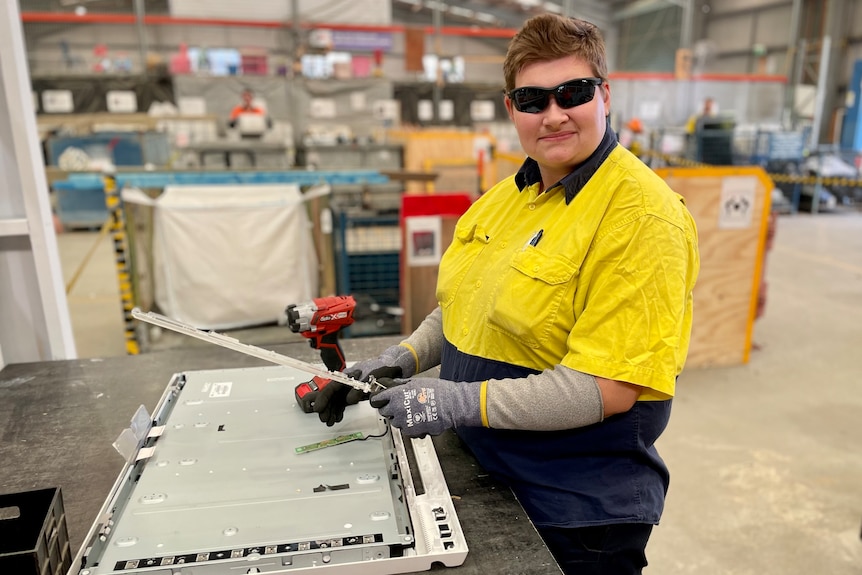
(229, 476)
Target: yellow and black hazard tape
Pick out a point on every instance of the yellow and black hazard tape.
(791, 179)
(777, 178)
(676, 160)
(121, 252)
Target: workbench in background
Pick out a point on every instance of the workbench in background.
(59, 418)
(228, 154)
(346, 156)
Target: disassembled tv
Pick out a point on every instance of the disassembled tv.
(229, 476)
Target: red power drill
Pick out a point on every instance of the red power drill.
(320, 320)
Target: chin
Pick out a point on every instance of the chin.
(558, 161)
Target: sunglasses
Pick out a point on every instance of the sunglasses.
(533, 100)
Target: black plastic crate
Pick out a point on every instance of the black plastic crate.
(34, 539)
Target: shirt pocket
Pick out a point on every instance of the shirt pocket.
(468, 243)
(527, 299)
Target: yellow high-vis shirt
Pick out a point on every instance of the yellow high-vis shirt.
(602, 284)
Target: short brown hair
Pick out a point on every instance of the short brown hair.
(550, 37)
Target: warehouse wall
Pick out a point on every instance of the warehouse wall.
(734, 27)
(724, 34)
(725, 31)
(347, 11)
(854, 41)
(483, 57)
(660, 103)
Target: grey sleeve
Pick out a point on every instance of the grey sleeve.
(556, 399)
(427, 341)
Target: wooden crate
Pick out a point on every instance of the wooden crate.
(731, 256)
(449, 153)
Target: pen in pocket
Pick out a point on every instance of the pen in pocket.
(536, 237)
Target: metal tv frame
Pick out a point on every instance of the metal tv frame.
(214, 485)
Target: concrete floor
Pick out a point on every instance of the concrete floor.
(96, 310)
(765, 458)
(94, 300)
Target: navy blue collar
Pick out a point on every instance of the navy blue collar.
(529, 173)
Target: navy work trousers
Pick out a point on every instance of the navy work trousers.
(602, 550)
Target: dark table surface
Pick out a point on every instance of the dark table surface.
(58, 420)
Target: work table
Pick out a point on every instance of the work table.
(58, 420)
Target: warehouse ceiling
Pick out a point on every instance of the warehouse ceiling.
(482, 13)
(498, 13)
(512, 13)
(110, 6)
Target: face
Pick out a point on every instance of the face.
(557, 138)
(247, 98)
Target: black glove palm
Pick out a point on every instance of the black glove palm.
(335, 397)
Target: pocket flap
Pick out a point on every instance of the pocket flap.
(551, 269)
(469, 233)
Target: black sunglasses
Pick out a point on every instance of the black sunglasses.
(533, 100)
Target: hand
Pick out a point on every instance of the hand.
(330, 402)
(429, 406)
(393, 356)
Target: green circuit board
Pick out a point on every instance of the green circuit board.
(329, 442)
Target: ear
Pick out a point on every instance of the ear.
(509, 108)
(606, 96)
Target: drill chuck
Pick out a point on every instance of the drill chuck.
(299, 317)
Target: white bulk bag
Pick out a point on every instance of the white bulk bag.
(229, 256)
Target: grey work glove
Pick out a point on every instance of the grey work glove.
(394, 356)
(429, 406)
(395, 361)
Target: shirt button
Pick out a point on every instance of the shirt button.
(532, 207)
(479, 283)
(465, 331)
(502, 245)
(535, 268)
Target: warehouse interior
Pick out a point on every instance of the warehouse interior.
(134, 178)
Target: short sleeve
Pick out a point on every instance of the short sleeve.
(634, 305)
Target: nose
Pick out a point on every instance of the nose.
(554, 115)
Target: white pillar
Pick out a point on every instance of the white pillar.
(34, 313)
